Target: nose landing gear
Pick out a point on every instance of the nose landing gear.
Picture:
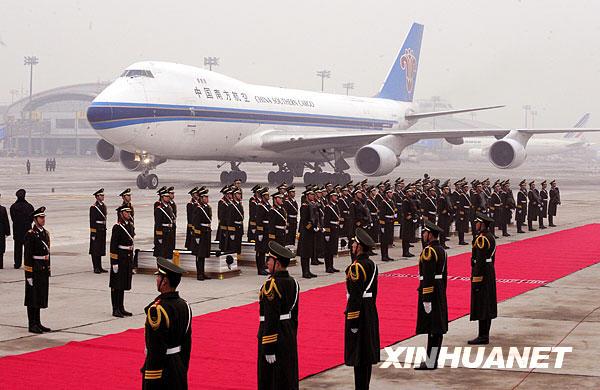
(145, 180)
(228, 177)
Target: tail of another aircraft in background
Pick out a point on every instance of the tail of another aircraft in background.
(402, 77)
(580, 123)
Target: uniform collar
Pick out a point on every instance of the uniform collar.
(281, 274)
(168, 295)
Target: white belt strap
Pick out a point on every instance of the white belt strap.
(129, 248)
(205, 224)
(167, 224)
(370, 294)
(439, 276)
(280, 227)
(174, 350)
(101, 222)
(40, 257)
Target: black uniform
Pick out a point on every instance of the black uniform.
(277, 332)
(543, 207)
(398, 199)
(189, 231)
(173, 236)
(429, 207)
(97, 234)
(387, 217)
(444, 211)
(20, 214)
(251, 219)
(277, 226)
(553, 203)
(308, 225)
(533, 207)
(202, 237)
(463, 216)
(168, 334)
(496, 210)
(121, 263)
(433, 276)
(291, 209)
(163, 230)
(4, 232)
(361, 330)
(262, 239)
(37, 273)
(331, 233)
(521, 209)
(373, 228)
(483, 282)
(235, 226)
(359, 216)
(409, 219)
(222, 228)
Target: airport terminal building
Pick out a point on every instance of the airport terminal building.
(51, 123)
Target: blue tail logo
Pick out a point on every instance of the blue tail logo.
(402, 77)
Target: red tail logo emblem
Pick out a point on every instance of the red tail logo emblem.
(408, 63)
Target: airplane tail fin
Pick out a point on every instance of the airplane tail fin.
(580, 123)
(402, 76)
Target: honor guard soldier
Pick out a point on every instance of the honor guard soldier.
(121, 261)
(251, 235)
(496, 207)
(387, 218)
(533, 205)
(126, 197)
(508, 204)
(344, 201)
(359, 213)
(430, 205)
(361, 330)
(235, 222)
(98, 231)
(321, 202)
(291, 208)
(202, 233)
(432, 310)
(444, 211)
(4, 232)
(409, 219)
(278, 329)
(331, 231)
(478, 203)
(221, 216)
(190, 209)
(553, 202)
(464, 213)
(543, 205)
(163, 225)
(168, 333)
(37, 270)
(277, 226)
(21, 215)
(173, 236)
(371, 203)
(262, 230)
(483, 279)
(308, 226)
(521, 212)
(398, 198)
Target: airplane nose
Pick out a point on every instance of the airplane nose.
(99, 116)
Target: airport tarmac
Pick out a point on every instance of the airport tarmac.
(79, 307)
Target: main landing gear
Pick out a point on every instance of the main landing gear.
(228, 177)
(319, 177)
(146, 180)
(283, 174)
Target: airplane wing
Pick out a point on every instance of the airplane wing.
(421, 115)
(281, 141)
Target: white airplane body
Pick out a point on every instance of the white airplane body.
(159, 110)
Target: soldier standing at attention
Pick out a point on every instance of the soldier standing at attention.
(173, 236)
(98, 231)
(278, 329)
(408, 221)
(121, 261)
(37, 270)
(235, 222)
(21, 215)
(251, 235)
(371, 203)
(553, 203)
(331, 231)
(483, 279)
(277, 226)
(361, 330)
(496, 207)
(190, 209)
(163, 225)
(168, 333)
(308, 225)
(291, 208)
(543, 205)
(444, 210)
(521, 212)
(202, 232)
(387, 217)
(4, 232)
(432, 310)
(533, 205)
(221, 215)
(262, 226)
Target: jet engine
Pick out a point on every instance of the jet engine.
(107, 151)
(376, 160)
(507, 153)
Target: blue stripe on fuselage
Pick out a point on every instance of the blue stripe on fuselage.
(107, 115)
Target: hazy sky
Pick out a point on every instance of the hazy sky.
(543, 53)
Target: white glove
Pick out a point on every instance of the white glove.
(115, 268)
(160, 240)
(382, 230)
(93, 238)
(260, 237)
(232, 236)
(427, 307)
(197, 241)
(270, 359)
(327, 238)
(30, 281)
(353, 330)
(253, 231)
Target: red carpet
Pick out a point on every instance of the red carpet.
(224, 345)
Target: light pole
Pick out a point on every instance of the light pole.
(211, 61)
(323, 74)
(13, 93)
(526, 108)
(533, 115)
(31, 61)
(348, 87)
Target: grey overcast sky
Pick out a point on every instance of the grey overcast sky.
(545, 53)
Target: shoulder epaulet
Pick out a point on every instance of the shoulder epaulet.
(427, 253)
(155, 316)
(269, 289)
(354, 271)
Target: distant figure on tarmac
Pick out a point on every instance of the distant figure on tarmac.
(47, 164)
(28, 166)
(21, 214)
(4, 232)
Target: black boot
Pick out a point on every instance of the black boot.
(114, 298)
(31, 319)
(1, 260)
(39, 321)
(304, 263)
(530, 226)
(329, 264)
(551, 221)
(121, 305)
(434, 344)
(95, 265)
(260, 264)
(484, 333)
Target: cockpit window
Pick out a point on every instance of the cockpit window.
(137, 73)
